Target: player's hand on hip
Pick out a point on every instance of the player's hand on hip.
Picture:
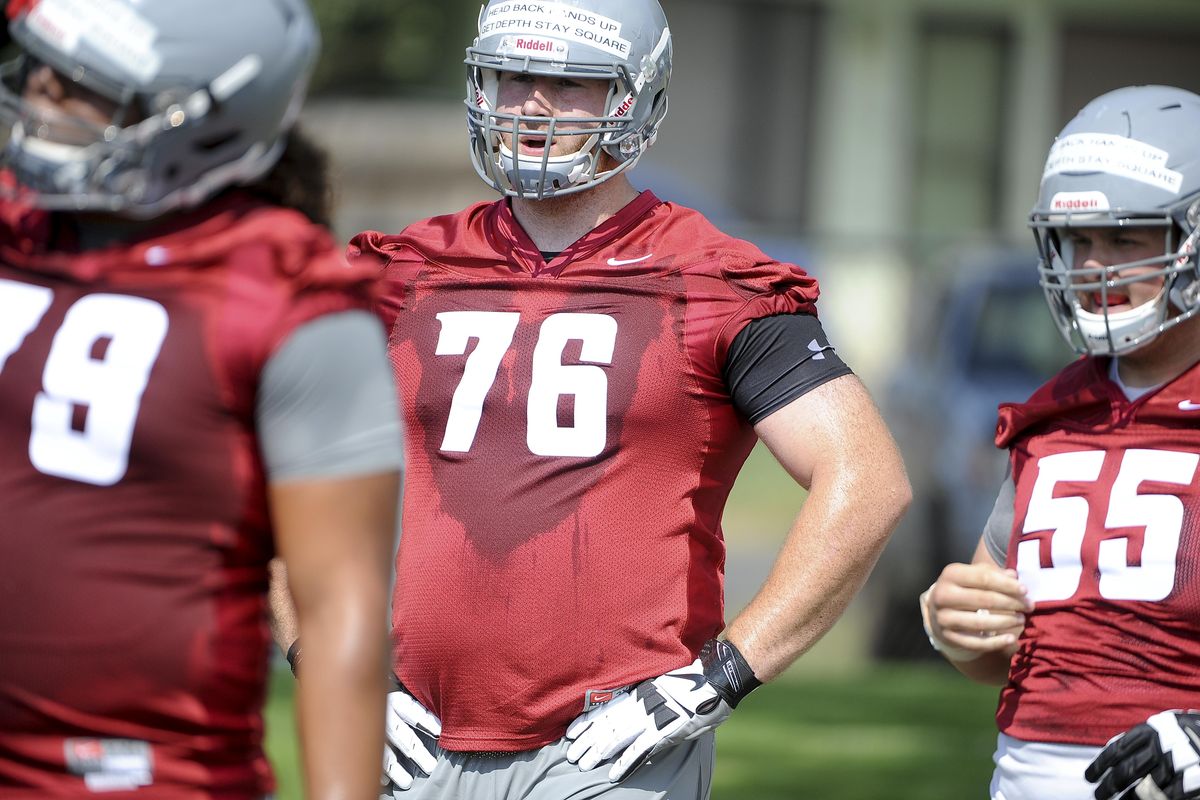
(977, 608)
(1159, 759)
(404, 751)
(660, 713)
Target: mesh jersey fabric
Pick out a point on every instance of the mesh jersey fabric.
(134, 622)
(571, 447)
(1107, 510)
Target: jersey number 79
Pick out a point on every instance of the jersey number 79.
(129, 332)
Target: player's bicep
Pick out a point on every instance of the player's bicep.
(335, 535)
(835, 427)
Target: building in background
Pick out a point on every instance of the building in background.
(884, 135)
(884, 144)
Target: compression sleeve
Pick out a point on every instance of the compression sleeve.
(775, 359)
(327, 404)
(1000, 523)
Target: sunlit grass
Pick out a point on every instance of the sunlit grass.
(902, 733)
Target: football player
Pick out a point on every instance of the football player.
(191, 380)
(585, 369)
(1082, 598)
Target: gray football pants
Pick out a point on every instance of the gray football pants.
(683, 772)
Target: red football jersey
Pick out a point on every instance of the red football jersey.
(134, 533)
(571, 447)
(1107, 539)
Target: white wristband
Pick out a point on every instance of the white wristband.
(950, 651)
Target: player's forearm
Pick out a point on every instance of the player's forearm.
(829, 552)
(336, 538)
(341, 695)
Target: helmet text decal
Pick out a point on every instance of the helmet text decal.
(112, 29)
(557, 20)
(1115, 155)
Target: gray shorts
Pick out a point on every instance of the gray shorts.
(683, 772)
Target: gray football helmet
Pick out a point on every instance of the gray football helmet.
(626, 42)
(205, 90)
(1129, 158)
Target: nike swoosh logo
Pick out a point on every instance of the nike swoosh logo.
(1188, 405)
(620, 262)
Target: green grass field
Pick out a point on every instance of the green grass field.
(902, 733)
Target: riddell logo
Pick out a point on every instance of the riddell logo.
(1079, 201)
(626, 104)
(1071, 205)
(540, 45)
(533, 46)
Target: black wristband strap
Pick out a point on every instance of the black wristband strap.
(727, 671)
(293, 658)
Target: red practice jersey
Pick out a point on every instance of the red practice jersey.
(1107, 540)
(571, 447)
(134, 533)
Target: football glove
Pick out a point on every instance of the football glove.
(1160, 759)
(404, 749)
(662, 712)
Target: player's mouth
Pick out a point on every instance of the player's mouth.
(1112, 300)
(532, 143)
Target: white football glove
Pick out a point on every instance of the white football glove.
(404, 749)
(1159, 759)
(662, 712)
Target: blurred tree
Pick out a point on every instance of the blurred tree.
(403, 47)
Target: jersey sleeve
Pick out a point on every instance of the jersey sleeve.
(998, 529)
(327, 403)
(284, 272)
(374, 250)
(762, 288)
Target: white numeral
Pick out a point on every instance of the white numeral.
(21, 308)
(130, 332)
(549, 381)
(494, 330)
(1066, 516)
(588, 384)
(1160, 515)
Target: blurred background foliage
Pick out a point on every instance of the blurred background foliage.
(412, 48)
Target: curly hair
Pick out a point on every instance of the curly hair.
(300, 179)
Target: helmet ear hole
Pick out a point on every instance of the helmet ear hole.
(212, 143)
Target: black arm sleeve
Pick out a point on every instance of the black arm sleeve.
(774, 360)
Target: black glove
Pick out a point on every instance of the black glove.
(1159, 759)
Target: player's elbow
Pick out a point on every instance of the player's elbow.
(887, 491)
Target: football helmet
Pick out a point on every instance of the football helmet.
(1130, 158)
(205, 92)
(625, 42)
